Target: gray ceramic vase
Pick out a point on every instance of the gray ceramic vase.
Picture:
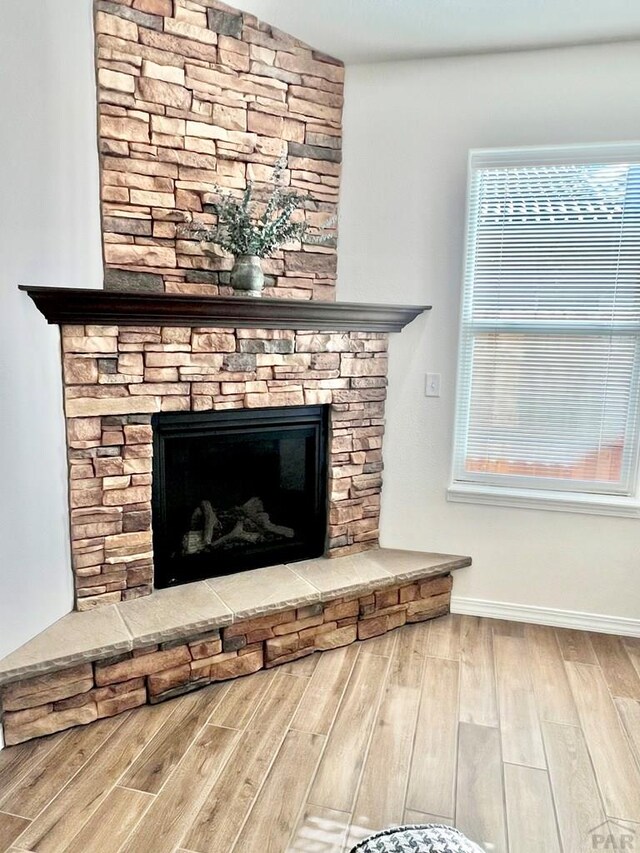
(247, 277)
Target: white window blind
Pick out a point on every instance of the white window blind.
(549, 372)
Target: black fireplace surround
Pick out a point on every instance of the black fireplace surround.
(237, 490)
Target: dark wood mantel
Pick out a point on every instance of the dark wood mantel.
(80, 306)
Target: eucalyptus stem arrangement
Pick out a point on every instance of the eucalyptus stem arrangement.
(249, 236)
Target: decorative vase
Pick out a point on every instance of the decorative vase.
(247, 277)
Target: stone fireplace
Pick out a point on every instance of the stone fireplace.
(276, 408)
(120, 379)
(117, 377)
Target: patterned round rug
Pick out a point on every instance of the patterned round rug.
(430, 838)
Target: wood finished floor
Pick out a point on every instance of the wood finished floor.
(525, 737)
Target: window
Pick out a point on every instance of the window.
(549, 370)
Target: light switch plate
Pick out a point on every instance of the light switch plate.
(432, 385)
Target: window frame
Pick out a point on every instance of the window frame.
(507, 490)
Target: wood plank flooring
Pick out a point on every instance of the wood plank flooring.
(525, 737)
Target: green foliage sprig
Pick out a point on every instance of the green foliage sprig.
(240, 231)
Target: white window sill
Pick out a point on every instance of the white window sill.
(581, 502)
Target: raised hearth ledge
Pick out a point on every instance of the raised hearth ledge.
(182, 611)
(63, 305)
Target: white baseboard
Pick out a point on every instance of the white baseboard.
(546, 616)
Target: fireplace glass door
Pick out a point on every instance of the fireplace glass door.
(237, 490)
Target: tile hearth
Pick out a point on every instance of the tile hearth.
(102, 662)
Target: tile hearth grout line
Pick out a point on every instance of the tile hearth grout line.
(271, 763)
(125, 626)
(125, 716)
(299, 674)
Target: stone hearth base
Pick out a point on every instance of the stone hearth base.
(373, 602)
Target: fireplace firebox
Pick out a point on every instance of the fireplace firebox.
(237, 490)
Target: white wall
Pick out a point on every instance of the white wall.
(408, 128)
(49, 235)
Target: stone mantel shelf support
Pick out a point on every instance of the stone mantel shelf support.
(62, 305)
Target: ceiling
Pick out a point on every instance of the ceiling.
(381, 30)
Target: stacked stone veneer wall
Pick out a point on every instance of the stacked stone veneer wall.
(116, 377)
(90, 691)
(193, 95)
